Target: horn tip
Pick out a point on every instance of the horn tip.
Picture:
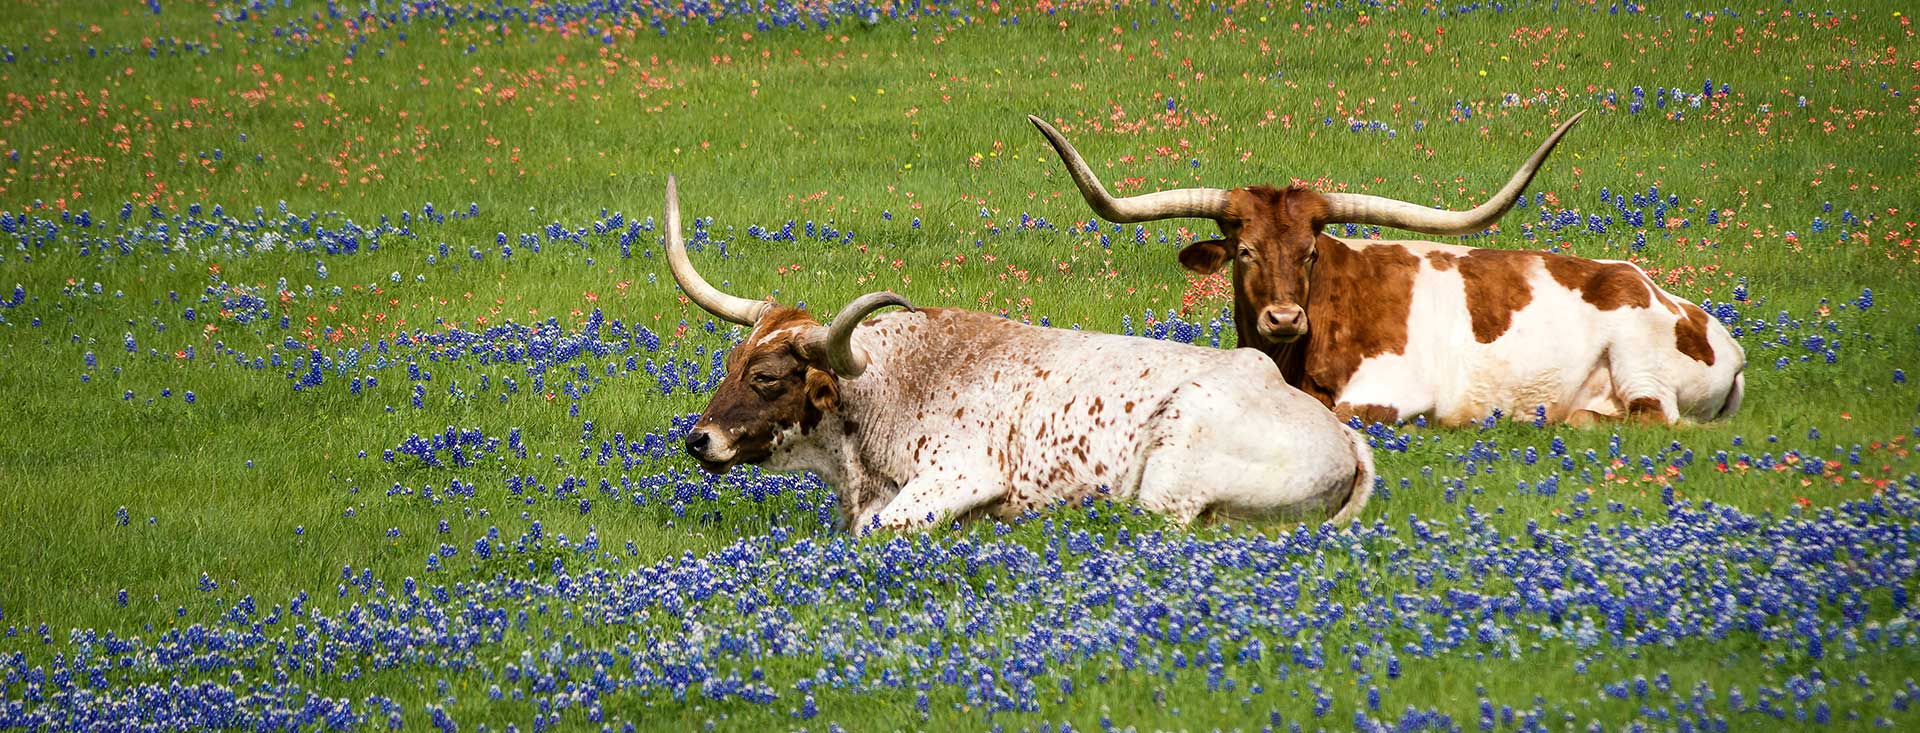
(902, 301)
(888, 297)
(1045, 129)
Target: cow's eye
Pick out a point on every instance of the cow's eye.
(764, 378)
(1246, 253)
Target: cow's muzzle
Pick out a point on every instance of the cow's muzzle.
(1282, 323)
(714, 455)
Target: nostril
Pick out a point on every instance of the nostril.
(697, 442)
(1279, 320)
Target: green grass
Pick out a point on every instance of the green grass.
(923, 119)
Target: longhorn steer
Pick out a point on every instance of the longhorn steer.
(921, 416)
(1385, 330)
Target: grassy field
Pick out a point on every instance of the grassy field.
(344, 384)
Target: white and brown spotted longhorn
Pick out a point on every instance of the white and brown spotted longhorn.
(927, 415)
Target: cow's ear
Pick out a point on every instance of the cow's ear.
(823, 390)
(1206, 257)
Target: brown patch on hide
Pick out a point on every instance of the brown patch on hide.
(1690, 335)
(1646, 410)
(1605, 285)
(1496, 285)
(1368, 414)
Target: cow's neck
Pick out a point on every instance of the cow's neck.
(1292, 360)
(836, 456)
(819, 450)
(856, 448)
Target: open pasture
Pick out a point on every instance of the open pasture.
(344, 380)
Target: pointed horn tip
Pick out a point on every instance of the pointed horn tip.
(1053, 136)
(1568, 124)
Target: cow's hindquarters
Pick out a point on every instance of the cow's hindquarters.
(1238, 442)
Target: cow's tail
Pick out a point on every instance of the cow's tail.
(1363, 478)
(1734, 396)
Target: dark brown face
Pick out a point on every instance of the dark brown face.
(772, 395)
(1270, 240)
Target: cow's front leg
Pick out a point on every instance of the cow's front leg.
(929, 499)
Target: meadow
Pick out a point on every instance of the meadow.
(344, 382)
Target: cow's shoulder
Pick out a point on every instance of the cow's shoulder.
(1499, 283)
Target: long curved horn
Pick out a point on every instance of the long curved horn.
(730, 307)
(835, 342)
(1205, 203)
(1359, 208)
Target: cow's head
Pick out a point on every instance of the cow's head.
(1270, 234)
(783, 379)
